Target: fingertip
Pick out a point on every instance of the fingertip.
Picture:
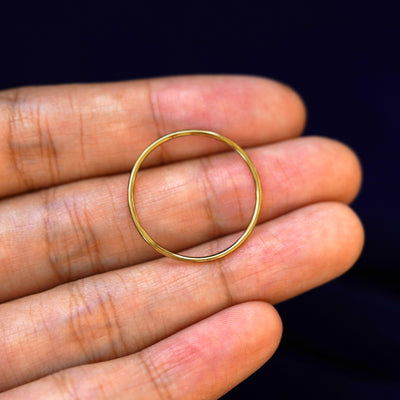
(281, 102)
(355, 173)
(340, 164)
(353, 236)
(264, 324)
(297, 107)
(262, 316)
(343, 237)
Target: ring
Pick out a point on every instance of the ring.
(231, 144)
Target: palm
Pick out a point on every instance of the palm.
(81, 289)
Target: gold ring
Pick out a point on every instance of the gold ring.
(134, 214)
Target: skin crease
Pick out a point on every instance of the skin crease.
(98, 301)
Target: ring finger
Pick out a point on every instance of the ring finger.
(120, 312)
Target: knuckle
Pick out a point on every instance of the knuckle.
(157, 376)
(31, 149)
(224, 194)
(78, 384)
(93, 321)
(225, 282)
(156, 115)
(65, 385)
(209, 194)
(66, 220)
(157, 119)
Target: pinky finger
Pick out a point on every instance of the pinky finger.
(203, 361)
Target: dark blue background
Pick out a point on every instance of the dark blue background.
(341, 340)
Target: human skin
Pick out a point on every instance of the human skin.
(88, 309)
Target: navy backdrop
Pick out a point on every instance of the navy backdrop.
(340, 340)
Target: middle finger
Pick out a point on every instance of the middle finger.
(83, 228)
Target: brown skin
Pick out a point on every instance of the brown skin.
(89, 309)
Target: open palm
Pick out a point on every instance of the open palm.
(88, 309)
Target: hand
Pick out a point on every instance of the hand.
(89, 310)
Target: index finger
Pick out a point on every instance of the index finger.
(52, 135)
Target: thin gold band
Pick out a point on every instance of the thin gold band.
(175, 135)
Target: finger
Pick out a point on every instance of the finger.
(117, 313)
(50, 135)
(84, 228)
(203, 361)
